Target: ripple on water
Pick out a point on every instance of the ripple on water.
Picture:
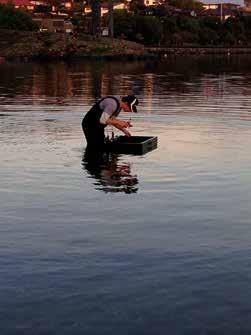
(172, 227)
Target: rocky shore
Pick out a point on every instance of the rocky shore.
(43, 45)
(220, 50)
(53, 46)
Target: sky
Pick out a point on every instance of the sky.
(239, 2)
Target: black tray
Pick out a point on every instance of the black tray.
(137, 145)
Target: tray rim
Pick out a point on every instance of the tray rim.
(150, 138)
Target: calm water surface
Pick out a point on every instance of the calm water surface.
(153, 244)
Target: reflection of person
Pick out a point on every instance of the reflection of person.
(104, 113)
(110, 175)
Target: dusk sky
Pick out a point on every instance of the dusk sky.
(240, 2)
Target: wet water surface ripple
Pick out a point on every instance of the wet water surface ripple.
(120, 244)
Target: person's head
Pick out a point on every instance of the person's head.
(129, 103)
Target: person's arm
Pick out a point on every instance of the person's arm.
(119, 124)
(109, 106)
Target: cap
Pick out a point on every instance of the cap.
(132, 102)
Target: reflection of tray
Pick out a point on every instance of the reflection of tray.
(137, 145)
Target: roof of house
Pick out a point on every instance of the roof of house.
(16, 2)
(217, 12)
(224, 4)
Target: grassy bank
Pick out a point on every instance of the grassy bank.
(35, 45)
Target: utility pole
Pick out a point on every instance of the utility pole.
(110, 19)
(221, 12)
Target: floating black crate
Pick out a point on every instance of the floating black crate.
(137, 145)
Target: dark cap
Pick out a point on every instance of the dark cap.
(132, 102)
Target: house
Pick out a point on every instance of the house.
(224, 5)
(151, 2)
(104, 7)
(62, 8)
(53, 24)
(247, 6)
(220, 10)
(166, 10)
(24, 4)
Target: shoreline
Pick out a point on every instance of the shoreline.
(198, 50)
(37, 46)
(164, 53)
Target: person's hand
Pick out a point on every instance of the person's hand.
(126, 132)
(125, 124)
(120, 124)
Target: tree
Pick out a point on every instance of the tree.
(235, 26)
(228, 38)
(124, 24)
(146, 29)
(96, 17)
(136, 6)
(187, 4)
(15, 19)
(150, 28)
(188, 23)
(160, 10)
(208, 36)
(211, 22)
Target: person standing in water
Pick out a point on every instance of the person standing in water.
(104, 112)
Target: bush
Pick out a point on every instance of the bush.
(187, 4)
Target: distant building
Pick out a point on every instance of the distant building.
(247, 5)
(221, 10)
(166, 10)
(104, 7)
(63, 8)
(151, 2)
(54, 24)
(231, 6)
(25, 4)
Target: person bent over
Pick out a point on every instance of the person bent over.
(105, 112)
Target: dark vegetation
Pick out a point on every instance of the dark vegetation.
(15, 19)
(182, 30)
(159, 28)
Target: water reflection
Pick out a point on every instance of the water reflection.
(47, 83)
(110, 174)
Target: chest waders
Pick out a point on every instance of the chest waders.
(94, 130)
